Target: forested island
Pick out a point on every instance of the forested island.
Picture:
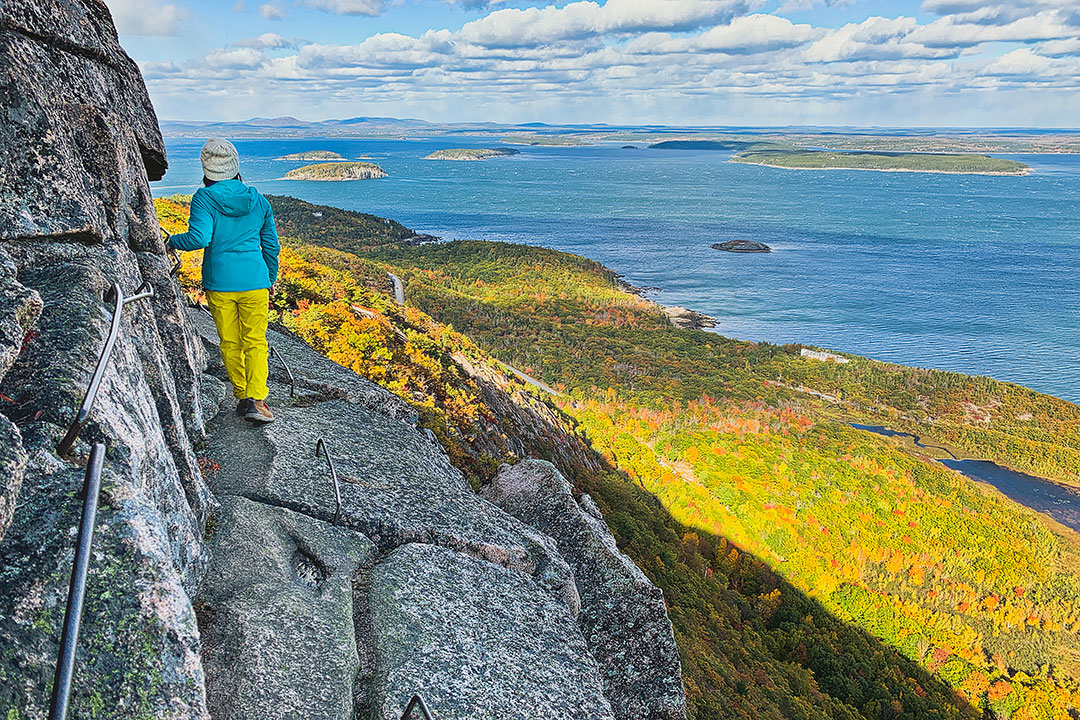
(959, 163)
(554, 140)
(810, 568)
(337, 171)
(471, 154)
(310, 155)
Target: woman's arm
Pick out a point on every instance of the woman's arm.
(200, 227)
(268, 238)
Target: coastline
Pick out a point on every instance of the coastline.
(1018, 173)
(679, 317)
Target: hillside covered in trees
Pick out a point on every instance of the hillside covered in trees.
(811, 570)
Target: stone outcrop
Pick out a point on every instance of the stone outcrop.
(78, 142)
(623, 617)
(232, 583)
(742, 246)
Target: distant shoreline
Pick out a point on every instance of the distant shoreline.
(1017, 173)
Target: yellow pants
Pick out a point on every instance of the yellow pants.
(241, 319)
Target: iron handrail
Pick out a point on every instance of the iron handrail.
(320, 444)
(292, 380)
(416, 702)
(69, 639)
(143, 291)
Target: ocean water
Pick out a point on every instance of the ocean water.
(971, 273)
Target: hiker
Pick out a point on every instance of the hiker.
(235, 224)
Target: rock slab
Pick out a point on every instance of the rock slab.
(623, 616)
(276, 615)
(504, 650)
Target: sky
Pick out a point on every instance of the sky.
(625, 62)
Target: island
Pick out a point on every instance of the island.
(471, 154)
(710, 145)
(337, 171)
(742, 246)
(310, 155)
(557, 140)
(957, 163)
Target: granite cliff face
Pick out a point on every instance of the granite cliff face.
(227, 579)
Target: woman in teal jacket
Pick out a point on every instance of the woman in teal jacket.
(235, 224)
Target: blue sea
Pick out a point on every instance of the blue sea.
(971, 273)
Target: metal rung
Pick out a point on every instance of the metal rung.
(320, 444)
(120, 301)
(416, 702)
(69, 640)
(177, 262)
(292, 381)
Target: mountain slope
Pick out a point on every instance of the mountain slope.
(959, 580)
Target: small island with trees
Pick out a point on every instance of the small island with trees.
(313, 155)
(337, 171)
(471, 154)
(959, 163)
(553, 140)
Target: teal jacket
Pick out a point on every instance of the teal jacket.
(235, 224)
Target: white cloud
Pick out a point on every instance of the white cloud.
(1057, 48)
(529, 27)
(236, 58)
(272, 12)
(953, 31)
(876, 38)
(147, 17)
(743, 35)
(268, 41)
(348, 7)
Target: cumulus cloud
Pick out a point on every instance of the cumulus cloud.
(147, 17)
(236, 58)
(526, 27)
(272, 12)
(742, 36)
(960, 31)
(268, 41)
(1057, 48)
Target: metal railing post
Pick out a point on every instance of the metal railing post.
(320, 444)
(416, 702)
(292, 381)
(65, 663)
(143, 291)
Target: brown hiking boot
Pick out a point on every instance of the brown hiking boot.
(259, 412)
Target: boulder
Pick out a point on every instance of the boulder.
(744, 246)
(276, 615)
(623, 616)
(504, 649)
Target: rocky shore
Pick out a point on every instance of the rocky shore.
(680, 317)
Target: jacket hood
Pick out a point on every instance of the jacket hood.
(232, 197)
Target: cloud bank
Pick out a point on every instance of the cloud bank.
(653, 61)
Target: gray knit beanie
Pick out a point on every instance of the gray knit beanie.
(220, 161)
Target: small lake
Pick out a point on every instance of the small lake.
(1056, 501)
